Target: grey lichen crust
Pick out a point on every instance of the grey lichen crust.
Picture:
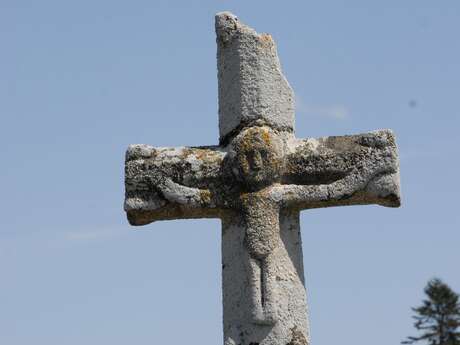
(173, 183)
(257, 181)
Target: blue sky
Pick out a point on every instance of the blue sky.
(80, 80)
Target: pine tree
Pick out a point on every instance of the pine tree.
(438, 317)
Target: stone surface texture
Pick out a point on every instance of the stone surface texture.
(257, 182)
(252, 89)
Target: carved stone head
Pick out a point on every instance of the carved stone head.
(257, 159)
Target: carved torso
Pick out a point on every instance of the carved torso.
(261, 217)
(257, 154)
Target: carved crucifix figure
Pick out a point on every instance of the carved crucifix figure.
(257, 181)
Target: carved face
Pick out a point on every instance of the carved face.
(257, 157)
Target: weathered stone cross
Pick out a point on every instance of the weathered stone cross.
(257, 181)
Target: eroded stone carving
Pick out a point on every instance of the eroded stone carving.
(257, 181)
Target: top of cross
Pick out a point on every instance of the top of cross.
(252, 89)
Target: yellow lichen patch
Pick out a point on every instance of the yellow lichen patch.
(254, 135)
(205, 196)
(266, 39)
(207, 155)
(204, 155)
(266, 136)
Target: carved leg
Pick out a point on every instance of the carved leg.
(262, 291)
(256, 289)
(240, 287)
(268, 290)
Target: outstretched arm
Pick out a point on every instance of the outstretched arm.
(359, 169)
(183, 195)
(380, 188)
(170, 183)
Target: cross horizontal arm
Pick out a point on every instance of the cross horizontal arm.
(344, 170)
(171, 183)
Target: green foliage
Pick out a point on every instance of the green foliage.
(438, 318)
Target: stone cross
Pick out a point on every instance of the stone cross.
(257, 181)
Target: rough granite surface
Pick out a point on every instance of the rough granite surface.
(257, 182)
(252, 89)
